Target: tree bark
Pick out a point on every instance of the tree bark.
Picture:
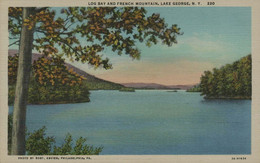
(22, 86)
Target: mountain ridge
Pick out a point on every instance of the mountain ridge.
(142, 85)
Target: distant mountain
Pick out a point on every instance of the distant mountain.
(145, 85)
(95, 83)
(155, 86)
(92, 82)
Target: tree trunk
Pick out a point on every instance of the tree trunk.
(22, 85)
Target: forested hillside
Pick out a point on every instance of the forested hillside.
(60, 82)
(94, 83)
(230, 81)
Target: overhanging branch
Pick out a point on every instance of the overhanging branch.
(13, 43)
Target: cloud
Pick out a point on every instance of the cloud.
(205, 47)
(205, 43)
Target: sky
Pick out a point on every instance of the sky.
(212, 38)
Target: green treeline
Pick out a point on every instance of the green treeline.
(230, 81)
(39, 94)
(99, 84)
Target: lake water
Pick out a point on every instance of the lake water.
(150, 122)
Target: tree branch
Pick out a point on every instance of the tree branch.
(40, 9)
(13, 43)
(11, 38)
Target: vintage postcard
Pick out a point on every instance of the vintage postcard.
(130, 81)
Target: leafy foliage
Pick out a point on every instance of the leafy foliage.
(12, 69)
(78, 149)
(117, 28)
(52, 71)
(51, 82)
(37, 143)
(231, 80)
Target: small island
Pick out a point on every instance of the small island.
(126, 89)
(173, 91)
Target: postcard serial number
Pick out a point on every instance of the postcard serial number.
(238, 158)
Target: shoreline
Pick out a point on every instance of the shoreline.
(54, 103)
(85, 101)
(227, 98)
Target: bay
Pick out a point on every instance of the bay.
(152, 122)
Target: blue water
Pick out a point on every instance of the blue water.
(150, 122)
